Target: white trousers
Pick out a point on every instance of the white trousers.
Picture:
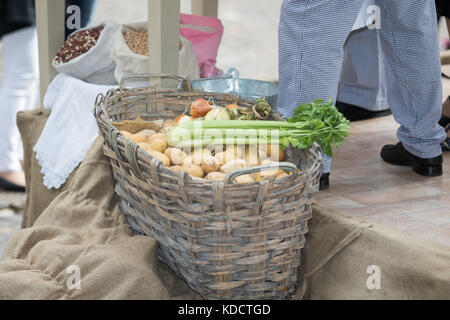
(18, 91)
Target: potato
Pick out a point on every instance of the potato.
(235, 150)
(279, 157)
(159, 136)
(266, 162)
(147, 133)
(228, 155)
(266, 174)
(175, 155)
(126, 134)
(175, 169)
(198, 156)
(221, 157)
(268, 149)
(253, 156)
(159, 145)
(245, 178)
(193, 170)
(275, 153)
(214, 149)
(215, 176)
(167, 125)
(144, 146)
(210, 164)
(137, 138)
(234, 165)
(161, 157)
(188, 160)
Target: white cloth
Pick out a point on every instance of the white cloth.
(18, 91)
(363, 78)
(70, 129)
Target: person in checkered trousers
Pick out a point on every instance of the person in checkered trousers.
(312, 34)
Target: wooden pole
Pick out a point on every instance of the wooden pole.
(207, 8)
(164, 35)
(50, 30)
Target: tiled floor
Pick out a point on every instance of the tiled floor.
(363, 185)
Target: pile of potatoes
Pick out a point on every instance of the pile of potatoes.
(209, 164)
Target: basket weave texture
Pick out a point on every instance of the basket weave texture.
(226, 240)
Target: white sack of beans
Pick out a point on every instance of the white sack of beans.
(130, 52)
(86, 54)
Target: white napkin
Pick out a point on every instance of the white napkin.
(70, 130)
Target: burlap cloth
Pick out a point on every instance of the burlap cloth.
(81, 225)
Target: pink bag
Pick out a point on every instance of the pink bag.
(205, 34)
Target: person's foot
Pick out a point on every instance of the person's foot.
(324, 182)
(12, 181)
(355, 113)
(445, 123)
(398, 155)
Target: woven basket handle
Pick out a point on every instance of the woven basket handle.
(183, 83)
(286, 166)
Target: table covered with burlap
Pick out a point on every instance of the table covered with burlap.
(81, 225)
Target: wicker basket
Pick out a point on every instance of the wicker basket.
(226, 240)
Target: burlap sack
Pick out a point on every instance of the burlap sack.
(341, 249)
(83, 227)
(30, 124)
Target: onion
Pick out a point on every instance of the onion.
(199, 108)
(182, 119)
(217, 113)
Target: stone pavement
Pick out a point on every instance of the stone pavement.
(11, 205)
(9, 224)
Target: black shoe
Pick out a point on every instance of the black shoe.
(445, 123)
(398, 155)
(324, 181)
(355, 113)
(9, 186)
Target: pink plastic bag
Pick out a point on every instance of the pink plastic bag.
(205, 34)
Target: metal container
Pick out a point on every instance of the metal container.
(246, 88)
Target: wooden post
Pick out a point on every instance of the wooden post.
(164, 35)
(50, 30)
(207, 8)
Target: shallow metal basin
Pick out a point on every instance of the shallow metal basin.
(246, 88)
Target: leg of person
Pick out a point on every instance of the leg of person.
(18, 91)
(311, 50)
(443, 9)
(413, 73)
(447, 20)
(445, 123)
